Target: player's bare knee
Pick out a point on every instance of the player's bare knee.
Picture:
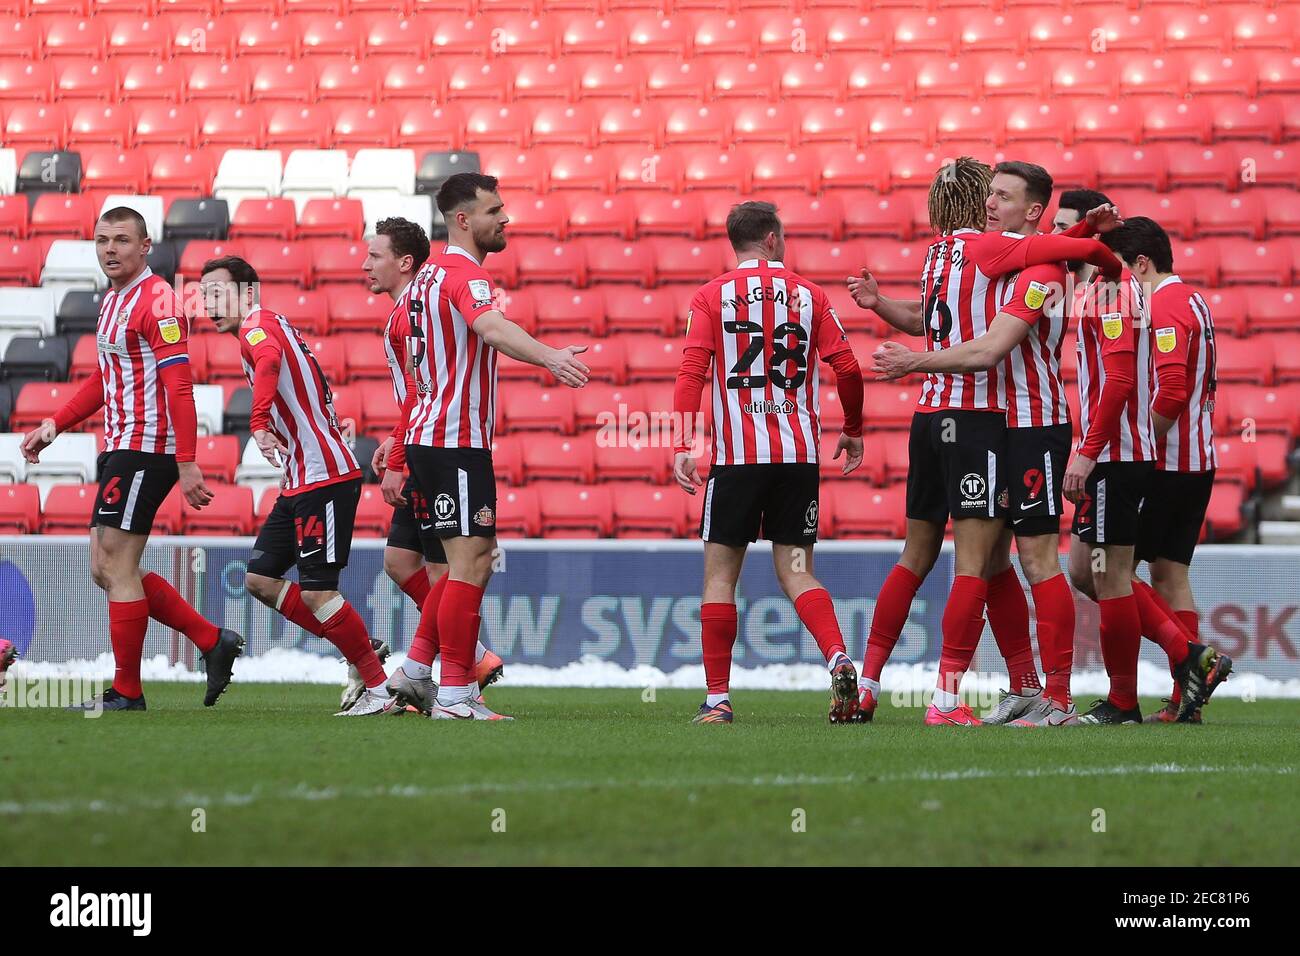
(399, 565)
(267, 590)
(315, 600)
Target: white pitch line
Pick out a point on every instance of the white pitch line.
(309, 794)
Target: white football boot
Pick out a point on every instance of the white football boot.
(419, 693)
(1011, 706)
(371, 704)
(1047, 713)
(356, 686)
(471, 709)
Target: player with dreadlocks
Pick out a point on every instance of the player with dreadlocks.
(957, 448)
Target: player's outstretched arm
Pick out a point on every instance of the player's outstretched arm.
(509, 339)
(85, 402)
(903, 315)
(893, 360)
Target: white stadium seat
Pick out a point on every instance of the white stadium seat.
(150, 207)
(70, 457)
(27, 311)
(8, 171)
(377, 206)
(314, 174)
(12, 466)
(246, 173)
(72, 262)
(254, 469)
(382, 171)
(208, 408)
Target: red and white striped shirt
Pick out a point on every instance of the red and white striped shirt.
(1116, 326)
(1183, 331)
(455, 371)
(765, 327)
(291, 398)
(396, 332)
(141, 330)
(1036, 393)
(959, 302)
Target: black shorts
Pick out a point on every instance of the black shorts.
(132, 486)
(1169, 524)
(1112, 496)
(955, 465)
(460, 488)
(776, 501)
(405, 533)
(312, 529)
(1036, 461)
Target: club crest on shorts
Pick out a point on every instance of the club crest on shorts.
(485, 517)
(170, 329)
(1166, 338)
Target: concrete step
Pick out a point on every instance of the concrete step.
(1279, 532)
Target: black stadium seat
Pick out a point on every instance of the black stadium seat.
(36, 359)
(50, 172)
(197, 219)
(79, 311)
(435, 169)
(364, 449)
(163, 259)
(6, 405)
(238, 410)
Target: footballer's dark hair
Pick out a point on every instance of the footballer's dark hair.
(749, 222)
(120, 214)
(1141, 236)
(958, 194)
(406, 238)
(1081, 200)
(240, 271)
(461, 188)
(1038, 181)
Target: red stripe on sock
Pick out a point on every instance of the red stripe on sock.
(817, 611)
(1008, 614)
(887, 620)
(718, 625)
(963, 619)
(424, 645)
(1121, 635)
(1054, 610)
(168, 608)
(127, 623)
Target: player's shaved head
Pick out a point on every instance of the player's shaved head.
(957, 195)
(121, 215)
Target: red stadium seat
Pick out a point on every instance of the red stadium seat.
(535, 408)
(362, 126)
(20, 40)
(111, 168)
(223, 358)
(267, 36)
(648, 511)
(508, 458)
(378, 409)
(1246, 261)
(576, 511)
(597, 401)
(1237, 118)
(819, 216)
(73, 36)
(86, 80)
(961, 124)
(1281, 211)
(607, 360)
(229, 512)
(338, 260)
(604, 79)
(67, 509)
(1223, 518)
(330, 219)
(706, 168)
(632, 461)
(937, 76)
(687, 260)
(620, 261)
(292, 126)
(630, 309)
(366, 358)
(1262, 408)
(349, 407)
(1134, 166)
(740, 77)
(36, 125)
(1228, 308)
(871, 512)
(519, 512)
(330, 355)
(498, 123)
(344, 79)
(827, 122)
(264, 218)
(13, 217)
(324, 35)
(891, 262)
(64, 215)
(652, 357)
(1189, 120)
(569, 311)
(781, 168)
(564, 124)
(1286, 351)
(427, 126)
(1228, 214)
(1243, 360)
(217, 456)
(1083, 74)
(1271, 310)
(182, 171)
(1173, 210)
(20, 80)
(635, 169)
(1203, 166)
(20, 509)
(1238, 461)
(406, 79)
(232, 126)
(1269, 165)
(519, 306)
(526, 171)
(543, 215)
(559, 458)
(545, 260)
(100, 124)
(586, 34)
(542, 78)
(1099, 120)
(1198, 262)
(471, 78)
(21, 263)
(278, 261)
(887, 404)
(578, 168)
(356, 307)
(804, 77)
(374, 515)
(36, 401)
(871, 470)
(307, 311)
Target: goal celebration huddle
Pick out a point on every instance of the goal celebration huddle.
(992, 449)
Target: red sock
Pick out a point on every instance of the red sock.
(1054, 609)
(1121, 635)
(962, 625)
(1159, 626)
(817, 611)
(424, 646)
(892, 607)
(168, 608)
(417, 586)
(127, 622)
(346, 631)
(718, 637)
(1008, 613)
(458, 623)
(1191, 622)
(291, 606)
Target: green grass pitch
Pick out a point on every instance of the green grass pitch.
(603, 777)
